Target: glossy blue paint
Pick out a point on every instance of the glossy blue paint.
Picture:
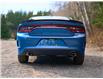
(51, 38)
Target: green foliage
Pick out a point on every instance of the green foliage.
(39, 13)
(5, 32)
(43, 13)
(98, 14)
(11, 20)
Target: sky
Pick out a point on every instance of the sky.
(28, 5)
(25, 5)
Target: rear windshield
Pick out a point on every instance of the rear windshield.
(52, 22)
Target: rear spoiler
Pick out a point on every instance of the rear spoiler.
(75, 21)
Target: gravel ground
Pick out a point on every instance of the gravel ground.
(45, 67)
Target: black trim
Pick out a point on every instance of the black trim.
(42, 51)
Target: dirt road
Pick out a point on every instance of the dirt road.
(43, 67)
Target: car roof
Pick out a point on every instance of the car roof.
(50, 18)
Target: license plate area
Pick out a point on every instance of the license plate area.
(51, 42)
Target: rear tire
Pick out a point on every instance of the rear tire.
(23, 58)
(78, 60)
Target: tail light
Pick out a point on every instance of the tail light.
(25, 29)
(77, 29)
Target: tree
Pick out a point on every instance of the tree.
(39, 13)
(11, 20)
(5, 32)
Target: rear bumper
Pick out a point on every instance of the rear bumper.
(50, 51)
(29, 44)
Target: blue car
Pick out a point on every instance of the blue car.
(51, 36)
